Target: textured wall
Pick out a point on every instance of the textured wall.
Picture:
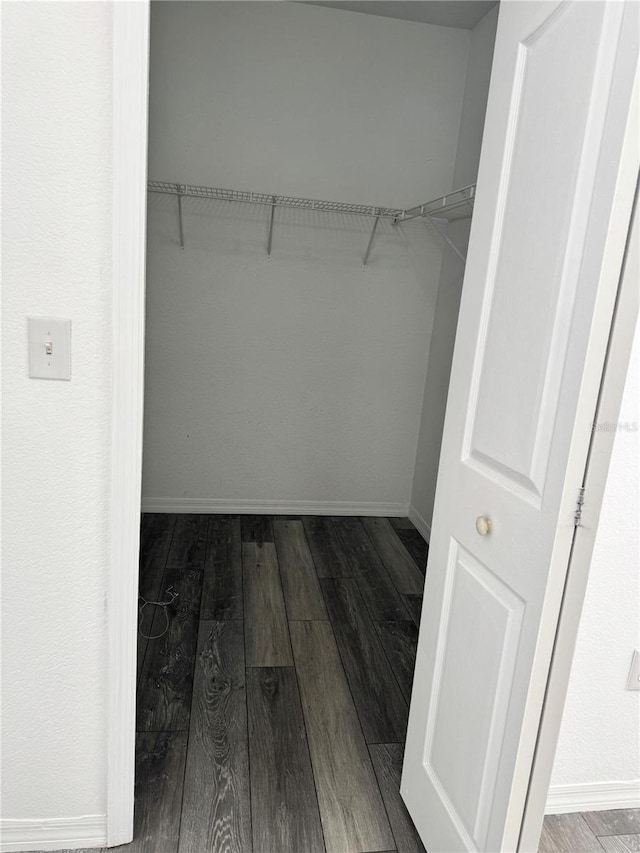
(56, 236)
(298, 379)
(305, 101)
(600, 734)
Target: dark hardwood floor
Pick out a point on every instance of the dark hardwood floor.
(272, 712)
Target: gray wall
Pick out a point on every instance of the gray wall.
(298, 379)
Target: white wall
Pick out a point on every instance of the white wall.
(450, 283)
(299, 379)
(599, 746)
(56, 236)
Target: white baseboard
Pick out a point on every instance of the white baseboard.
(66, 833)
(593, 797)
(248, 507)
(422, 526)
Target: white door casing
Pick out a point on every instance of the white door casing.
(129, 204)
(532, 333)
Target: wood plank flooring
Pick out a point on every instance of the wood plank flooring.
(160, 761)
(564, 833)
(380, 704)
(283, 797)
(289, 653)
(222, 583)
(383, 600)
(299, 580)
(272, 711)
(166, 680)
(189, 541)
(387, 761)
(351, 807)
(614, 831)
(217, 815)
(156, 532)
(399, 563)
(621, 843)
(401, 641)
(266, 633)
(616, 822)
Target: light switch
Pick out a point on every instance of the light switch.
(633, 682)
(49, 348)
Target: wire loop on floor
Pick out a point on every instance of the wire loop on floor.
(172, 595)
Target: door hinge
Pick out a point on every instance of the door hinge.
(577, 518)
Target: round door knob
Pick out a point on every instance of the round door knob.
(483, 525)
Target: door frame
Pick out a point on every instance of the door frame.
(130, 109)
(613, 373)
(130, 55)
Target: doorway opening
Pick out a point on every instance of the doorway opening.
(302, 300)
(294, 408)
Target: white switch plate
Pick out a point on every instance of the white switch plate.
(54, 334)
(633, 682)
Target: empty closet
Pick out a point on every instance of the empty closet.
(299, 296)
(311, 180)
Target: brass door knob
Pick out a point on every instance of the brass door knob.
(483, 525)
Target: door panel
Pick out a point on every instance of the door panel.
(525, 329)
(471, 687)
(518, 414)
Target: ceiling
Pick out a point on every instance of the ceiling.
(464, 14)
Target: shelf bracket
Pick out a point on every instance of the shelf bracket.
(180, 225)
(370, 244)
(418, 212)
(446, 238)
(271, 218)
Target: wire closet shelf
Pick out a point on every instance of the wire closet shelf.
(455, 205)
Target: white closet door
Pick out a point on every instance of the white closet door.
(537, 301)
